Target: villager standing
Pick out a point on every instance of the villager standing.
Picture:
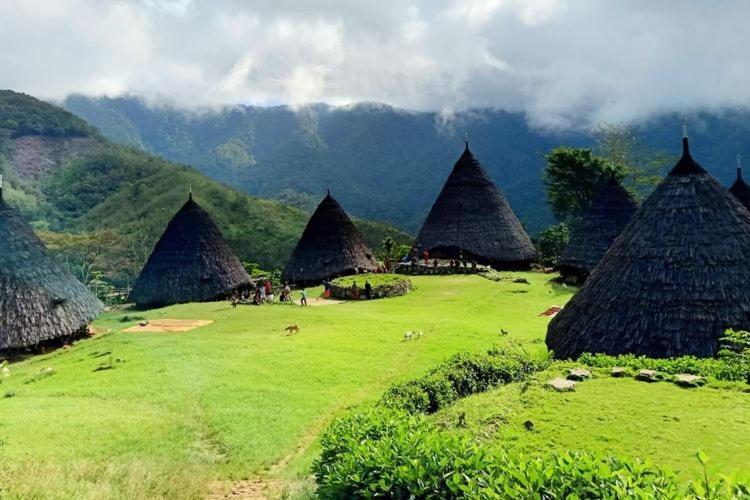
(355, 291)
(368, 290)
(303, 298)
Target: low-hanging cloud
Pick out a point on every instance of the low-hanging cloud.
(563, 62)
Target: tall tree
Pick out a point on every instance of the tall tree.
(643, 168)
(573, 177)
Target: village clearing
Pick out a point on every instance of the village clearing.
(137, 414)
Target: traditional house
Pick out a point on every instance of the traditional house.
(330, 246)
(190, 263)
(471, 218)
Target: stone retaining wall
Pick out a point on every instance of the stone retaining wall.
(402, 287)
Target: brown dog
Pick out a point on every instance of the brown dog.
(292, 329)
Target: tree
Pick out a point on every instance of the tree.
(573, 177)
(551, 243)
(97, 256)
(621, 146)
(388, 244)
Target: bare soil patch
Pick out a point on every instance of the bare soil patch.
(170, 325)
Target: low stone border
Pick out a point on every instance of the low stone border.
(397, 289)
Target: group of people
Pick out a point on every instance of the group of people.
(461, 261)
(264, 294)
(355, 295)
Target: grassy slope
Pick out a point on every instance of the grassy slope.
(660, 422)
(232, 399)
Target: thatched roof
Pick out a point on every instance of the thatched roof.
(605, 219)
(330, 246)
(40, 302)
(471, 216)
(740, 189)
(672, 282)
(191, 263)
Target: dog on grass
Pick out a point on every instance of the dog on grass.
(292, 329)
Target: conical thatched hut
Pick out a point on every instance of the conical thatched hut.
(740, 189)
(191, 263)
(472, 217)
(330, 246)
(672, 282)
(40, 302)
(605, 219)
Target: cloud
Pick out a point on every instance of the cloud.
(563, 62)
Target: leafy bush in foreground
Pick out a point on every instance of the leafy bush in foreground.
(460, 376)
(394, 454)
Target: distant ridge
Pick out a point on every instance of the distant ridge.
(383, 163)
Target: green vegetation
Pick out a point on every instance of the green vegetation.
(622, 146)
(551, 243)
(138, 414)
(393, 454)
(21, 114)
(126, 196)
(573, 177)
(236, 399)
(460, 376)
(374, 279)
(610, 416)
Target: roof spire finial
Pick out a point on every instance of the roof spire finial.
(466, 139)
(685, 148)
(328, 191)
(190, 191)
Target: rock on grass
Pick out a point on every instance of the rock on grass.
(688, 380)
(562, 384)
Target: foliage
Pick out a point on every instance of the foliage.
(393, 454)
(735, 351)
(460, 376)
(21, 114)
(573, 177)
(622, 146)
(103, 256)
(256, 273)
(388, 245)
(726, 367)
(551, 243)
(374, 279)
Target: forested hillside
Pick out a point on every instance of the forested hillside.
(384, 163)
(68, 180)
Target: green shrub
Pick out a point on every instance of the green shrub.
(551, 243)
(725, 367)
(393, 454)
(460, 376)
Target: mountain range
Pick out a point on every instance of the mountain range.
(66, 177)
(381, 162)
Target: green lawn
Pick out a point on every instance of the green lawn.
(240, 399)
(234, 398)
(619, 416)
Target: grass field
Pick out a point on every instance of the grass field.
(616, 416)
(239, 399)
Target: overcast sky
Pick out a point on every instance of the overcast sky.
(562, 61)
